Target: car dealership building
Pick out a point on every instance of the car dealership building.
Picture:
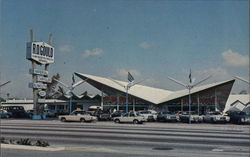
(205, 98)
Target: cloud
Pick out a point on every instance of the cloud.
(66, 48)
(93, 52)
(146, 45)
(234, 59)
(122, 74)
(218, 74)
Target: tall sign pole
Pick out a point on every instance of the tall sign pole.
(39, 53)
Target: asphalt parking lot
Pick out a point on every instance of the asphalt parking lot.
(106, 138)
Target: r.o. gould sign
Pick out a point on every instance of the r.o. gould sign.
(40, 52)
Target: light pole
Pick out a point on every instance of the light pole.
(128, 86)
(189, 87)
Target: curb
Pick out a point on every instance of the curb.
(23, 147)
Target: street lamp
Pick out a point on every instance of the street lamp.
(189, 87)
(128, 86)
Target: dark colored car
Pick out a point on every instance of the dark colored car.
(239, 117)
(5, 114)
(117, 114)
(102, 115)
(167, 117)
(62, 112)
(30, 113)
(50, 113)
(16, 111)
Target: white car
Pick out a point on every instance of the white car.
(214, 117)
(131, 117)
(154, 113)
(78, 115)
(148, 115)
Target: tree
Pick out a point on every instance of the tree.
(51, 87)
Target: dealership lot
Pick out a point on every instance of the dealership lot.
(111, 139)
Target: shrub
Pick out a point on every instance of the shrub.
(2, 140)
(24, 141)
(41, 143)
(12, 141)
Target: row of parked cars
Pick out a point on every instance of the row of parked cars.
(151, 115)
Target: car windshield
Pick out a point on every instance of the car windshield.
(125, 114)
(77, 112)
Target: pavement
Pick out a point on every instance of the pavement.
(110, 139)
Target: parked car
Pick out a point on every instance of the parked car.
(16, 111)
(78, 115)
(131, 117)
(239, 117)
(147, 114)
(116, 114)
(50, 113)
(154, 113)
(195, 118)
(5, 114)
(216, 117)
(93, 109)
(178, 114)
(30, 113)
(102, 115)
(167, 116)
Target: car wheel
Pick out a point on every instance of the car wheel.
(7, 116)
(63, 119)
(82, 120)
(212, 120)
(117, 121)
(136, 121)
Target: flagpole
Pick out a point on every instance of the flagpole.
(189, 87)
(127, 99)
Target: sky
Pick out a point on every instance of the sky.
(153, 39)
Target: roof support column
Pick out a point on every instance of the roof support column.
(134, 105)
(102, 100)
(182, 105)
(117, 101)
(215, 100)
(198, 102)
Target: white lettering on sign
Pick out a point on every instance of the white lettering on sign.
(39, 72)
(40, 52)
(43, 79)
(38, 85)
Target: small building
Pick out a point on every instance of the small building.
(238, 102)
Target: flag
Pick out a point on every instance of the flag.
(190, 77)
(130, 77)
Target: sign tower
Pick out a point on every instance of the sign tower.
(39, 53)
